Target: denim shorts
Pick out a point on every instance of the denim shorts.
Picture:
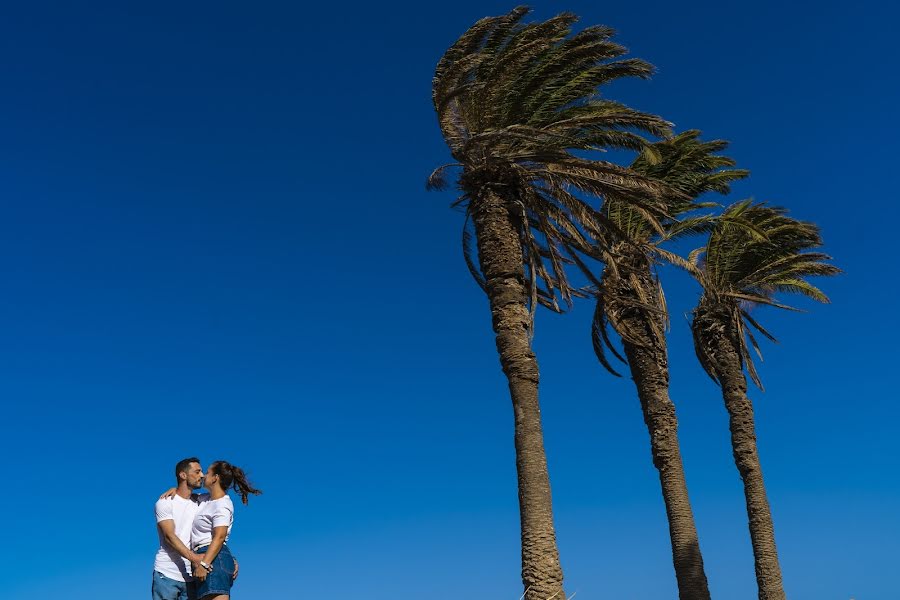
(219, 581)
(169, 589)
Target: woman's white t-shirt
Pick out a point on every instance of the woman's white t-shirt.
(214, 513)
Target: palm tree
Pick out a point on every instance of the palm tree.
(752, 255)
(515, 102)
(631, 301)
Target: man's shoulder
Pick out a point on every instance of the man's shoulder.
(171, 502)
(163, 509)
(164, 503)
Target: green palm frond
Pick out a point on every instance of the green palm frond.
(754, 253)
(690, 226)
(676, 260)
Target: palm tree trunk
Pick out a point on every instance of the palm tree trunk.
(500, 257)
(650, 371)
(746, 457)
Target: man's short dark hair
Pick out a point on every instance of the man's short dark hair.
(183, 465)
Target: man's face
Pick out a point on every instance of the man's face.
(194, 476)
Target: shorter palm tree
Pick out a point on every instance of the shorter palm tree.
(631, 301)
(754, 253)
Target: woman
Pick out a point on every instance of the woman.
(212, 526)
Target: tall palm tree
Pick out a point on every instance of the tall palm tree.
(631, 301)
(754, 254)
(515, 102)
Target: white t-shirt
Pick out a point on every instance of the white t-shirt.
(213, 513)
(168, 561)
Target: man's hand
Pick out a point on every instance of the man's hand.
(169, 493)
(234, 575)
(199, 571)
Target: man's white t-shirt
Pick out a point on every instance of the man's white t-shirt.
(213, 513)
(182, 512)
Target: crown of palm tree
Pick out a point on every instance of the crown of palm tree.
(753, 253)
(515, 102)
(690, 167)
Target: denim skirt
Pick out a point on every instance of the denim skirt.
(219, 581)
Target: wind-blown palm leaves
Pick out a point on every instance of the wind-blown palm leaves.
(514, 102)
(518, 106)
(631, 300)
(755, 253)
(689, 167)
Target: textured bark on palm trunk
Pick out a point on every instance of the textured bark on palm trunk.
(628, 290)
(500, 257)
(746, 458)
(649, 369)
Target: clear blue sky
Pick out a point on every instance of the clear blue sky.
(215, 240)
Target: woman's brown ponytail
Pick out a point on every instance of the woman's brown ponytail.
(234, 477)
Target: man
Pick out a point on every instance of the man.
(172, 569)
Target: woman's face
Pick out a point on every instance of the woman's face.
(210, 477)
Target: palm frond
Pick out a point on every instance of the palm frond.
(600, 338)
(437, 181)
(471, 262)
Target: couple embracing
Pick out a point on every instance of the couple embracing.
(193, 561)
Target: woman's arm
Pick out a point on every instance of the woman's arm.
(218, 540)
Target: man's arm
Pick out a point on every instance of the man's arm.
(167, 528)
